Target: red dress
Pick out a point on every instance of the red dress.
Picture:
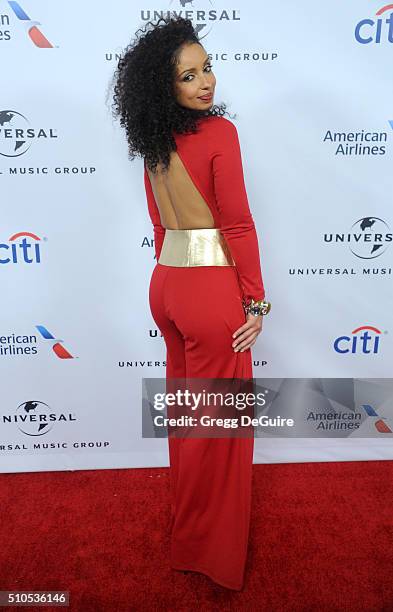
(197, 310)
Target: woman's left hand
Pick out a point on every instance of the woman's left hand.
(246, 335)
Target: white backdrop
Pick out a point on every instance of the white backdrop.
(312, 93)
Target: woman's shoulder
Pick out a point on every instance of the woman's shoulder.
(211, 124)
(214, 133)
(220, 132)
(218, 123)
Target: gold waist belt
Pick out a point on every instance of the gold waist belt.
(195, 247)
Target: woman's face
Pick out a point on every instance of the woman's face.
(194, 78)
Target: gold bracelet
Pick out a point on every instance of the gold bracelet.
(256, 308)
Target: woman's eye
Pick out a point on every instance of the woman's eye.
(188, 75)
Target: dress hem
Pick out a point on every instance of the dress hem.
(208, 574)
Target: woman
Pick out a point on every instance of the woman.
(206, 291)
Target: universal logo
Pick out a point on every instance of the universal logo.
(35, 418)
(368, 238)
(17, 135)
(201, 13)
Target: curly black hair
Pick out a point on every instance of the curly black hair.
(143, 96)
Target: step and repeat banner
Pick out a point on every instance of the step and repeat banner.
(309, 89)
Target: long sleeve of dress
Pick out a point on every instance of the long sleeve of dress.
(154, 213)
(237, 224)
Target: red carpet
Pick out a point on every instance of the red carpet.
(321, 539)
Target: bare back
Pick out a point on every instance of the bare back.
(180, 203)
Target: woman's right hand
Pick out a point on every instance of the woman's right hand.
(246, 336)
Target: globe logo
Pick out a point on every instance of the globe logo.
(14, 139)
(33, 418)
(370, 237)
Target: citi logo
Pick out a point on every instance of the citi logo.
(376, 30)
(34, 33)
(23, 247)
(365, 339)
